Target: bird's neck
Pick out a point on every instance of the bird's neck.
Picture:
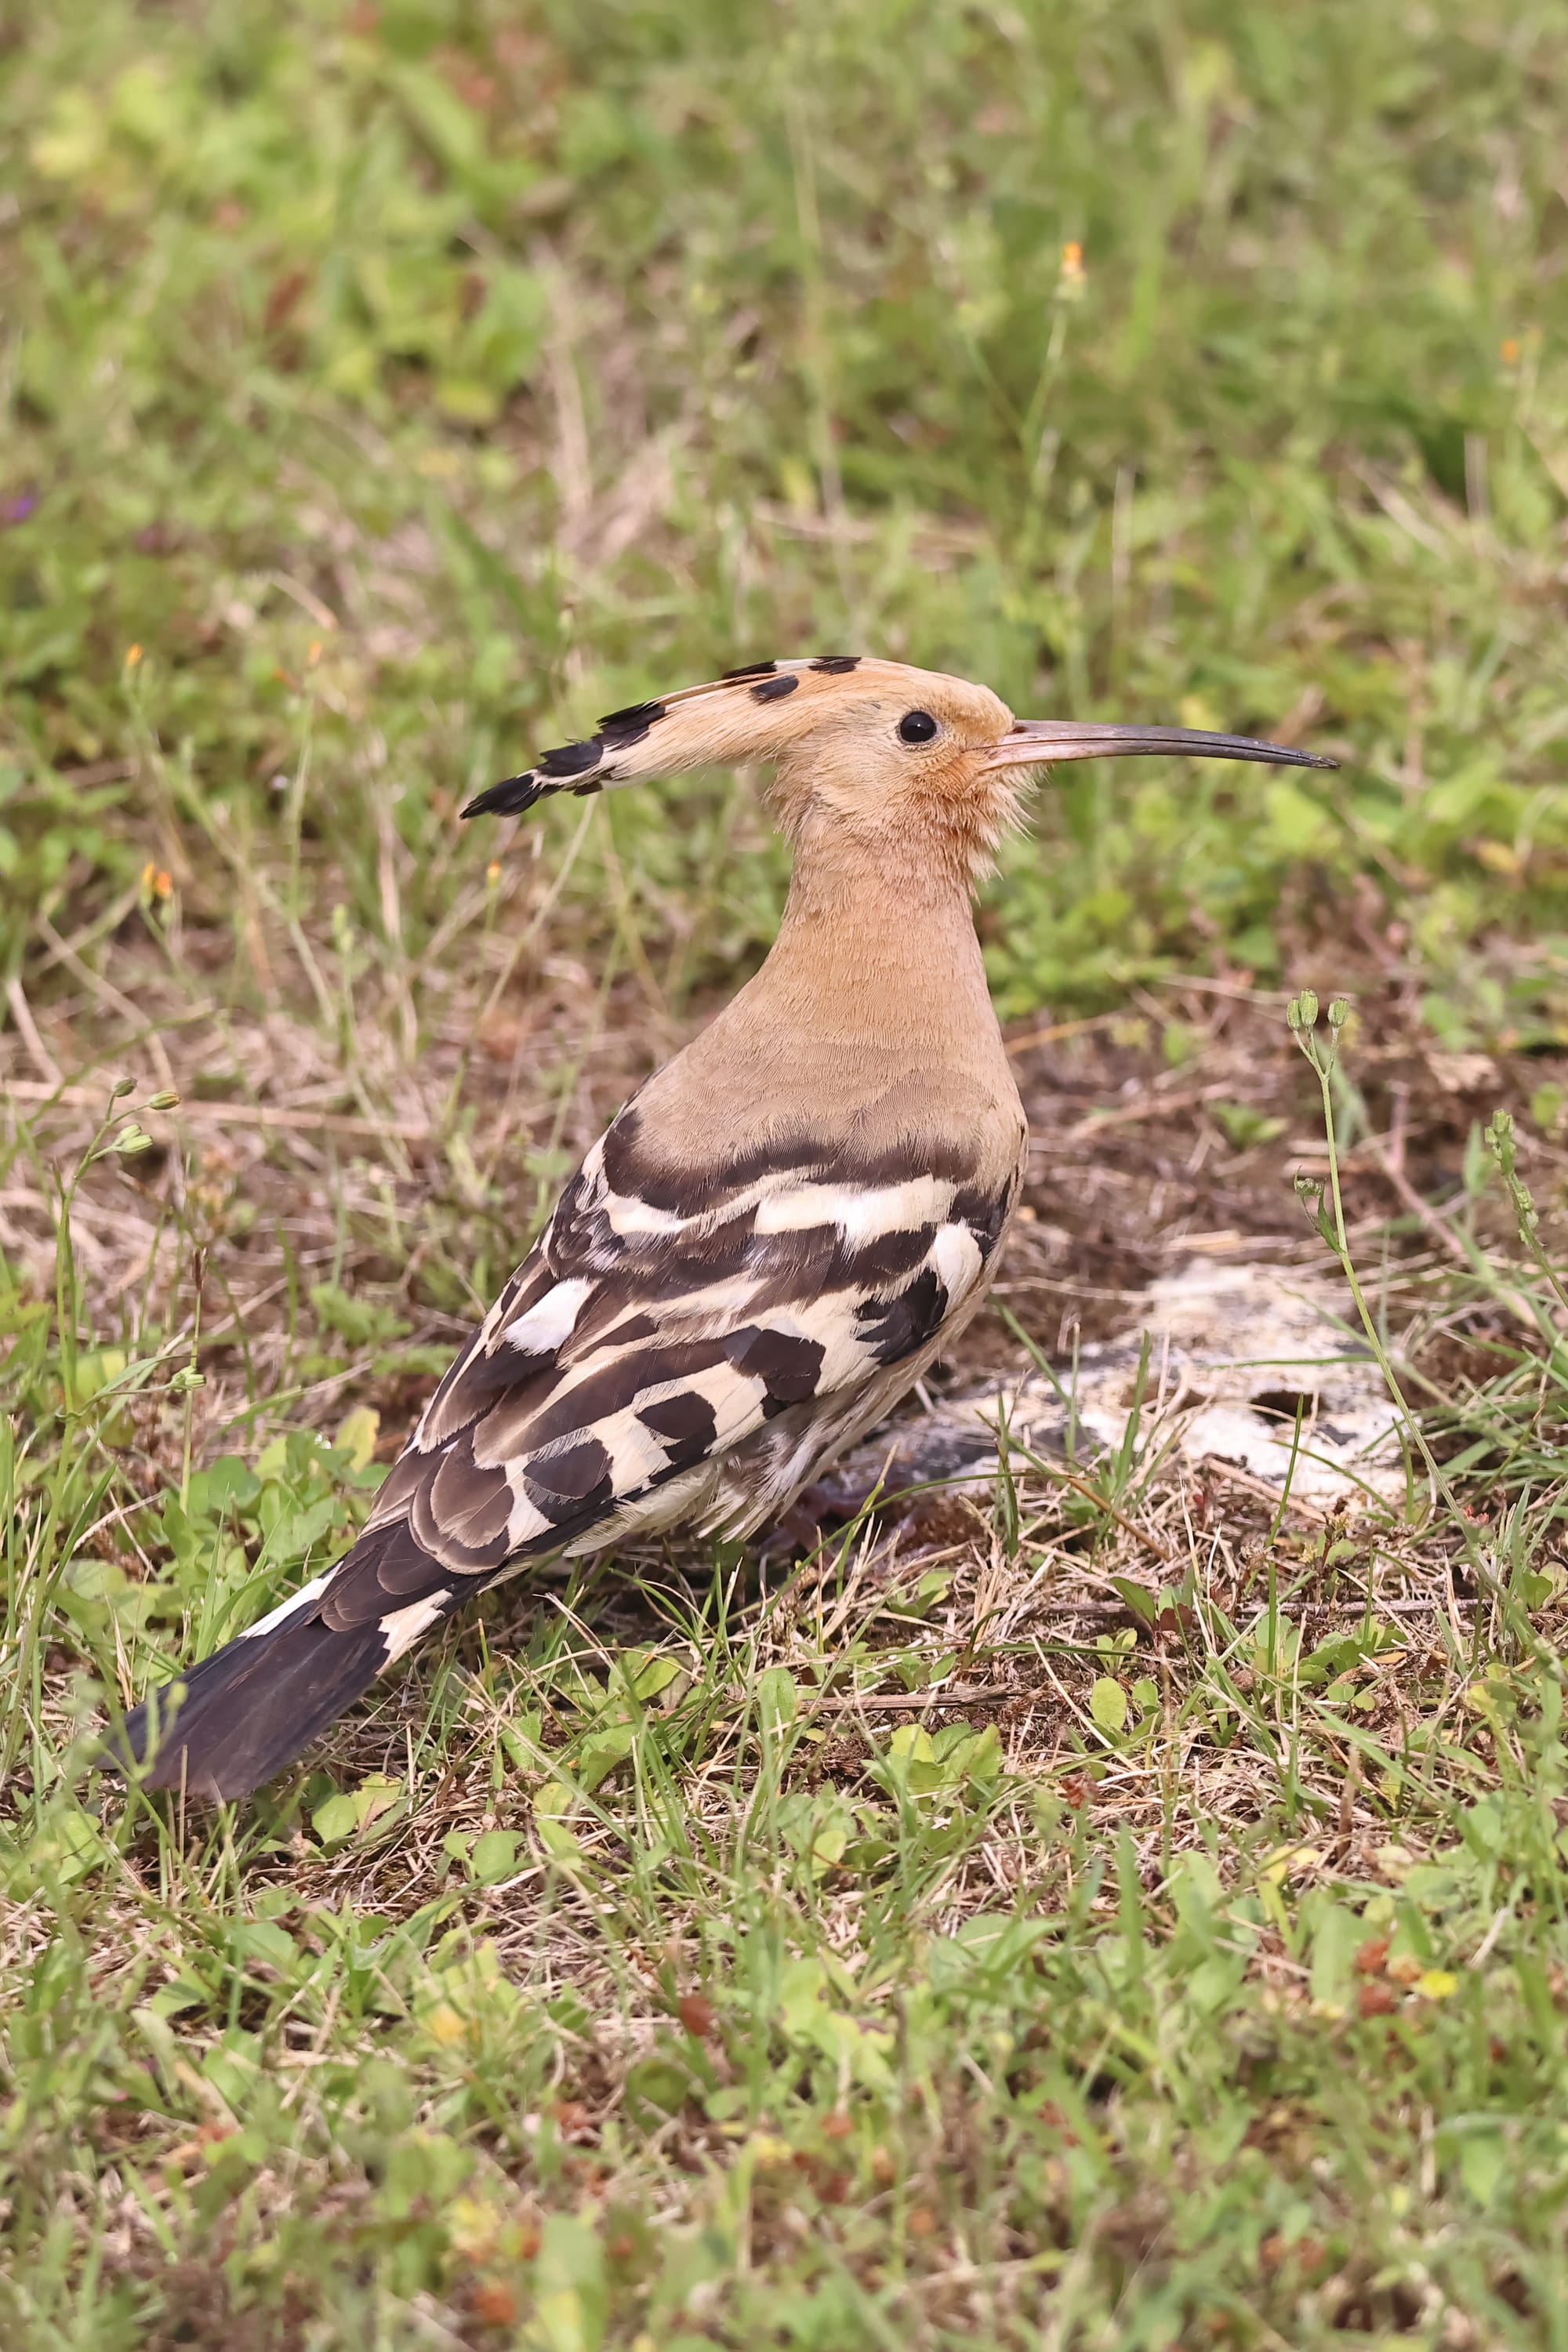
(869, 1025)
(882, 948)
(876, 973)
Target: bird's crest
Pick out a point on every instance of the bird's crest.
(696, 726)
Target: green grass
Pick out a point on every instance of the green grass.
(385, 394)
(566, 359)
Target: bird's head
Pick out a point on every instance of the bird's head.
(867, 749)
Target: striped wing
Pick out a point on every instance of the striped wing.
(660, 1358)
(673, 1350)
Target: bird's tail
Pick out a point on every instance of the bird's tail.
(222, 1728)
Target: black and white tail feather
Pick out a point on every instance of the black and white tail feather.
(651, 1362)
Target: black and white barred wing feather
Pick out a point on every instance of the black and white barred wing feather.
(673, 1351)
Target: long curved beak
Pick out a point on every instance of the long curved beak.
(1039, 742)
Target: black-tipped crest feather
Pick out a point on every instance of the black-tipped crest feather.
(510, 797)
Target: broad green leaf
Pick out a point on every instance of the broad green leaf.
(335, 1819)
(495, 1856)
(1108, 1704)
(356, 1434)
(778, 1697)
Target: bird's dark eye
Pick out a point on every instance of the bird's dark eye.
(917, 727)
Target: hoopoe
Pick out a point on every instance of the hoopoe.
(768, 1244)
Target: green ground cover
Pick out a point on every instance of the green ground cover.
(386, 392)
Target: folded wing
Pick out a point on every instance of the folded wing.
(672, 1348)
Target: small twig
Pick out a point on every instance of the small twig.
(225, 1114)
(1428, 1608)
(1423, 1211)
(1483, 1950)
(322, 615)
(27, 1030)
(1441, 1233)
(1398, 510)
(900, 1702)
(1399, 1096)
(1325, 1610)
(1060, 1029)
(1047, 1469)
(1228, 1471)
(107, 994)
(1152, 1107)
(97, 1212)
(1225, 987)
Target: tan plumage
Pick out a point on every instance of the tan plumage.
(771, 1239)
